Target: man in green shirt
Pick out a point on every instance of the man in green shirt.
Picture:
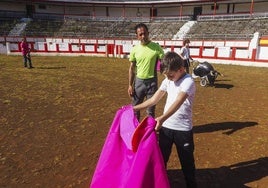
(142, 71)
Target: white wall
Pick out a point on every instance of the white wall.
(84, 10)
(100, 11)
(261, 7)
(245, 7)
(116, 12)
(206, 9)
(263, 53)
(3, 48)
(173, 11)
(224, 52)
(188, 10)
(208, 47)
(131, 10)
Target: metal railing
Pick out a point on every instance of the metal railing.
(220, 36)
(232, 16)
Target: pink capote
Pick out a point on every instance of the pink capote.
(130, 157)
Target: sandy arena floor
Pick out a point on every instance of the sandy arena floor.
(54, 120)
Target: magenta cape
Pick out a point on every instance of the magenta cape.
(130, 157)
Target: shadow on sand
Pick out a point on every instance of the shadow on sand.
(226, 86)
(233, 176)
(51, 67)
(230, 127)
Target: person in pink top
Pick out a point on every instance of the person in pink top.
(26, 53)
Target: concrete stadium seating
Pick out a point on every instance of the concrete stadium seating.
(124, 29)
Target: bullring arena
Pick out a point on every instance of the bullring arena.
(54, 118)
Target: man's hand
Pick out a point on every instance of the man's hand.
(130, 91)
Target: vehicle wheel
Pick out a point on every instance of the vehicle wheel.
(203, 82)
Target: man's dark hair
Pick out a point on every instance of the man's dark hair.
(171, 62)
(185, 41)
(141, 25)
